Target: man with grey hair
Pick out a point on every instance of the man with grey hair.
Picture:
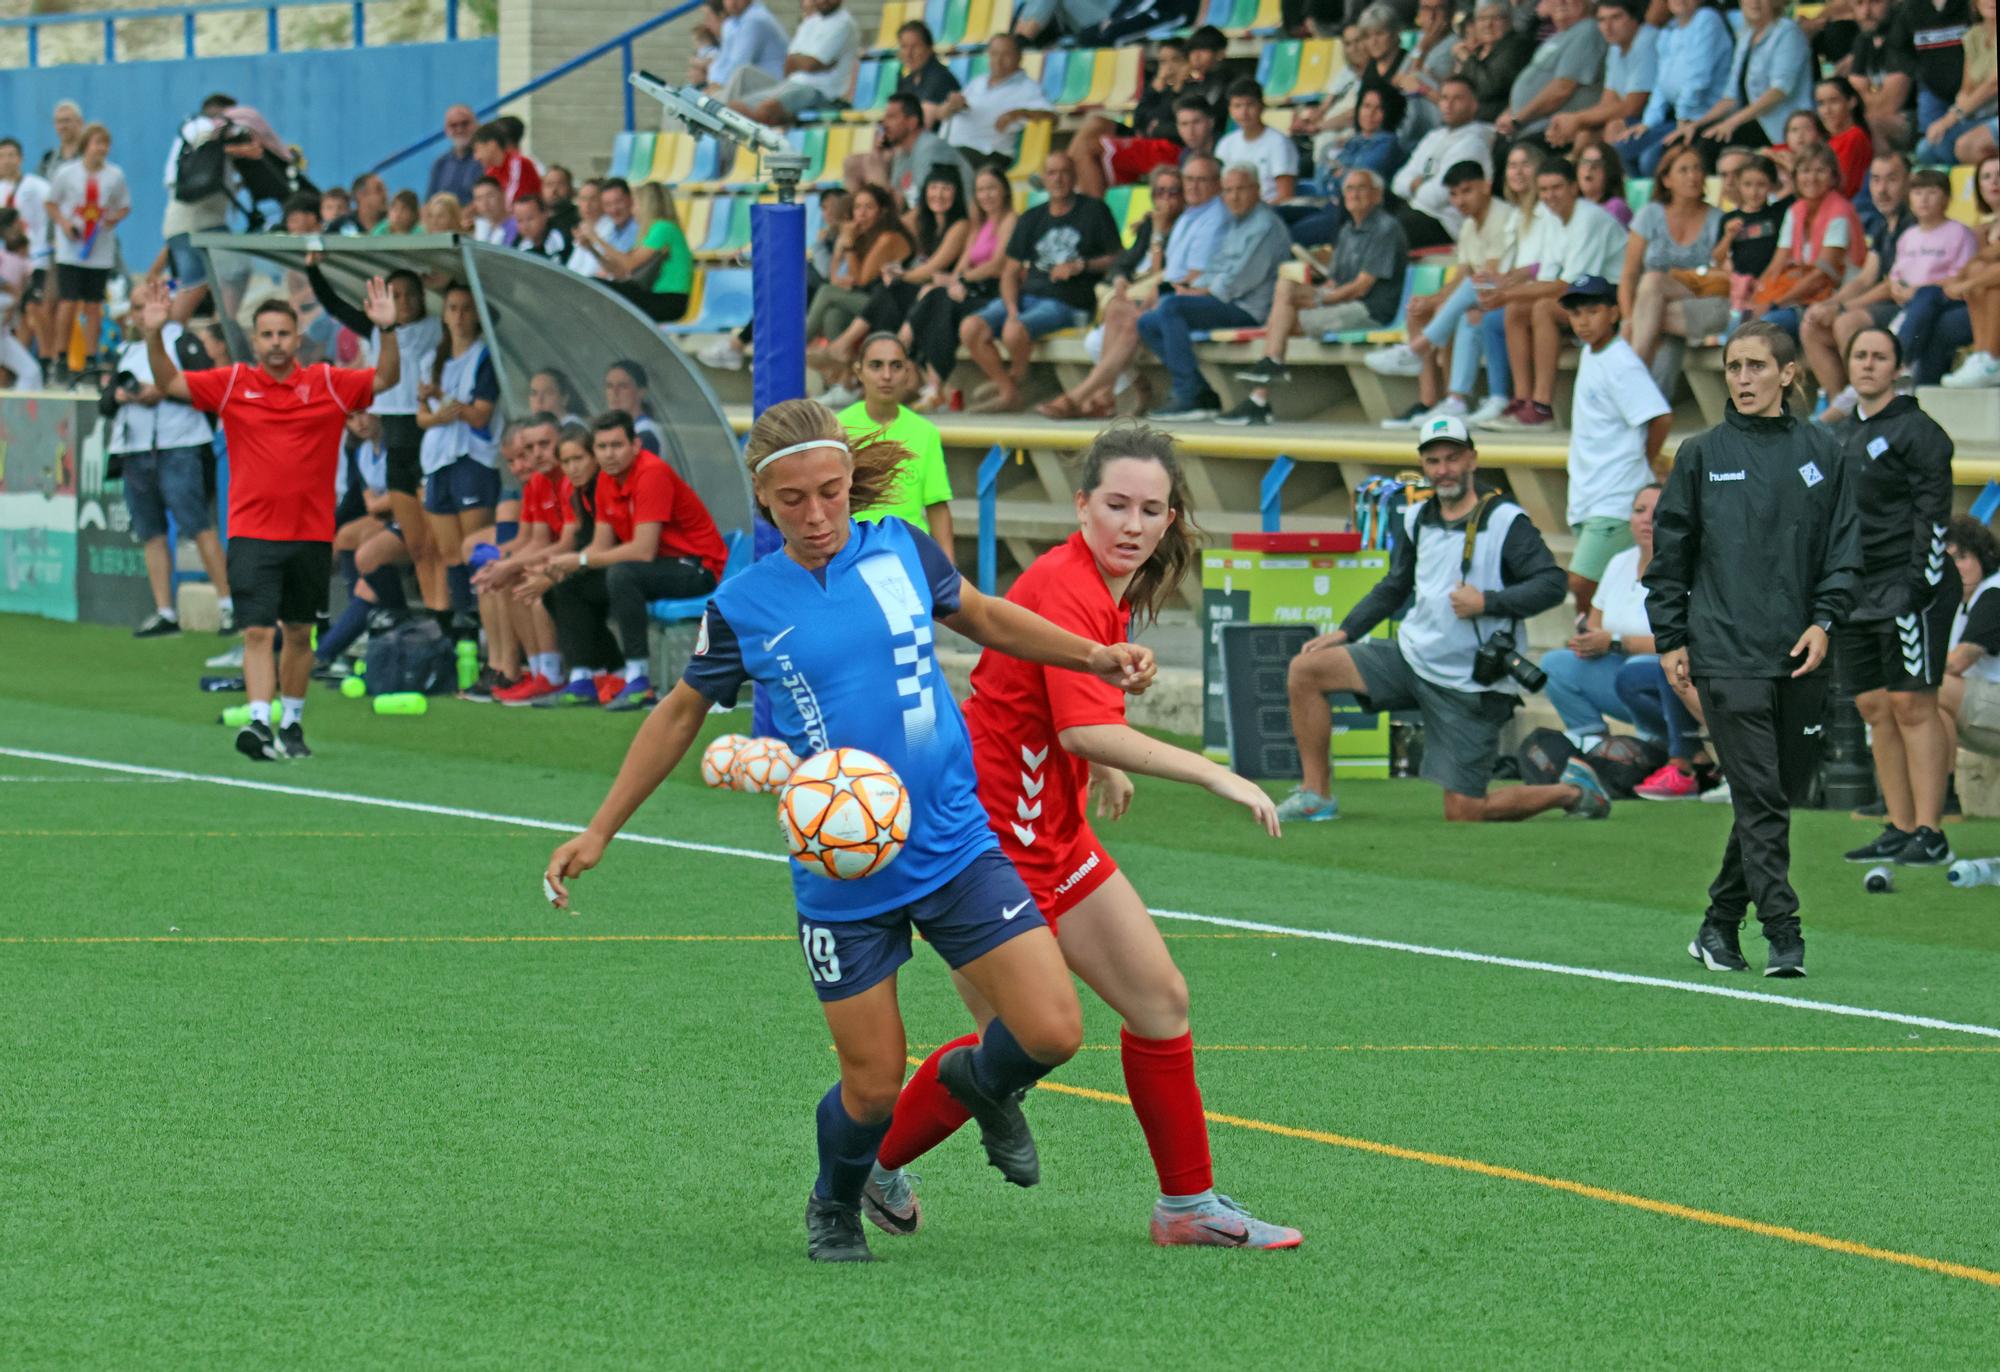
(68, 117)
(1233, 291)
(1362, 291)
(456, 171)
(1565, 74)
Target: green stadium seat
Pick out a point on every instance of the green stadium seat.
(1638, 191)
(736, 231)
(1278, 68)
(978, 67)
(1080, 72)
(1118, 199)
(952, 32)
(641, 165)
(1243, 16)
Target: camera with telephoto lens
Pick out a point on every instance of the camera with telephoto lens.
(1498, 658)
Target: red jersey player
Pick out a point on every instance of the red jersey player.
(1042, 740)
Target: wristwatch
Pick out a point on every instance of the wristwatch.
(583, 558)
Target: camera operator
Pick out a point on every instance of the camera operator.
(1470, 567)
(158, 447)
(200, 177)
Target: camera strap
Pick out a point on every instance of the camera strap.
(1472, 525)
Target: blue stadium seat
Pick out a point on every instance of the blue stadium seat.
(725, 303)
(621, 156)
(681, 611)
(707, 159)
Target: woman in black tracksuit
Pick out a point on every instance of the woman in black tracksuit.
(1756, 556)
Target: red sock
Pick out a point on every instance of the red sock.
(1159, 1076)
(926, 1114)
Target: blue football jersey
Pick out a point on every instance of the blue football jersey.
(848, 662)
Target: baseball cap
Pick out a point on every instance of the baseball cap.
(1589, 289)
(1444, 428)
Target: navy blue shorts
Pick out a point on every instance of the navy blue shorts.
(967, 917)
(460, 486)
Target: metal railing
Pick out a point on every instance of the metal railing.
(621, 43)
(187, 14)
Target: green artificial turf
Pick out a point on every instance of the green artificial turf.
(295, 1081)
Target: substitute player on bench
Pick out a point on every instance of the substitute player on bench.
(284, 424)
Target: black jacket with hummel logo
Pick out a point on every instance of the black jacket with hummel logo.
(1900, 461)
(1754, 539)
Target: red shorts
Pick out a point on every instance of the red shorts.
(1128, 161)
(1060, 879)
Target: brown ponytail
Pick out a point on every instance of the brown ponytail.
(875, 461)
(1157, 580)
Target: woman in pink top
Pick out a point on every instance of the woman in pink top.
(932, 329)
(1931, 252)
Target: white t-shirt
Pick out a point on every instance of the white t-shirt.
(832, 39)
(1593, 244)
(1272, 154)
(1615, 400)
(1988, 667)
(30, 195)
(169, 424)
(984, 103)
(74, 187)
(195, 216)
(1622, 597)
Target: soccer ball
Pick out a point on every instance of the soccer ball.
(845, 814)
(762, 764)
(719, 757)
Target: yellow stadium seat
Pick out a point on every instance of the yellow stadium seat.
(1036, 137)
(673, 158)
(978, 23)
(1964, 205)
(1031, 62)
(1139, 206)
(892, 19)
(744, 172)
(1318, 58)
(1280, 118)
(1001, 20)
(1128, 77)
(695, 210)
(1103, 77)
(1270, 16)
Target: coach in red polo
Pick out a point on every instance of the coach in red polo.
(283, 423)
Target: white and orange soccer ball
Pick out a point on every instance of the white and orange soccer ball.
(719, 756)
(845, 814)
(762, 764)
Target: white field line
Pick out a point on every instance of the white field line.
(1254, 926)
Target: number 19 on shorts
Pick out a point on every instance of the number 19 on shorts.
(822, 955)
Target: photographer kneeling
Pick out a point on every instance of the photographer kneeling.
(1472, 568)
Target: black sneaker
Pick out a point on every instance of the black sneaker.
(292, 742)
(1887, 846)
(1200, 408)
(1265, 371)
(833, 1232)
(256, 742)
(1874, 809)
(1717, 948)
(1925, 848)
(1250, 411)
(157, 625)
(481, 691)
(1003, 1129)
(1788, 953)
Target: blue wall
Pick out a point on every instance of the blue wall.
(347, 108)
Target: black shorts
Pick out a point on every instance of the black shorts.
(81, 283)
(1904, 654)
(403, 445)
(279, 581)
(38, 286)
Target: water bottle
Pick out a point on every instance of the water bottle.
(483, 553)
(1969, 872)
(1880, 881)
(402, 703)
(353, 687)
(236, 716)
(468, 663)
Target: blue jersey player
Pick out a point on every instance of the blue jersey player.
(838, 628)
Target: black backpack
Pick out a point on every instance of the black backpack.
(202, 169)
(1622, 761)
(415, 656)
(1544, 754)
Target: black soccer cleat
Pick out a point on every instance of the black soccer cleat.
(157, 625)
(256, 742)
(1003, 1129)
(1716, 947)
(292, 743)
(1886, 846)
(1788, 953)
(1925, 848)
(833, 1232)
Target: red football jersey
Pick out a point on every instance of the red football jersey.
(1035, 793)
(544, 501)
(651, 492)
(284, 443)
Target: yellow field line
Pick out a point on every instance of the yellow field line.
(1713, 1218)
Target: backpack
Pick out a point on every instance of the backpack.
(414, 655)
(1622, 761)
(1544, 754)
(202, 169)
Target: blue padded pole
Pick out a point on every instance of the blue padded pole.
(989, 505)
(778, 366)
(1270, 494)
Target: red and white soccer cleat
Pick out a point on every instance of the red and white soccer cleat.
(1219, 1223)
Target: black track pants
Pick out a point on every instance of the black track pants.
(1767, 732)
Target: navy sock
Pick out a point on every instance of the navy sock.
(1001, 1066)
(387, 584)
(847, 1150)
(344, 630)
(459, 578)
(349, 573)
